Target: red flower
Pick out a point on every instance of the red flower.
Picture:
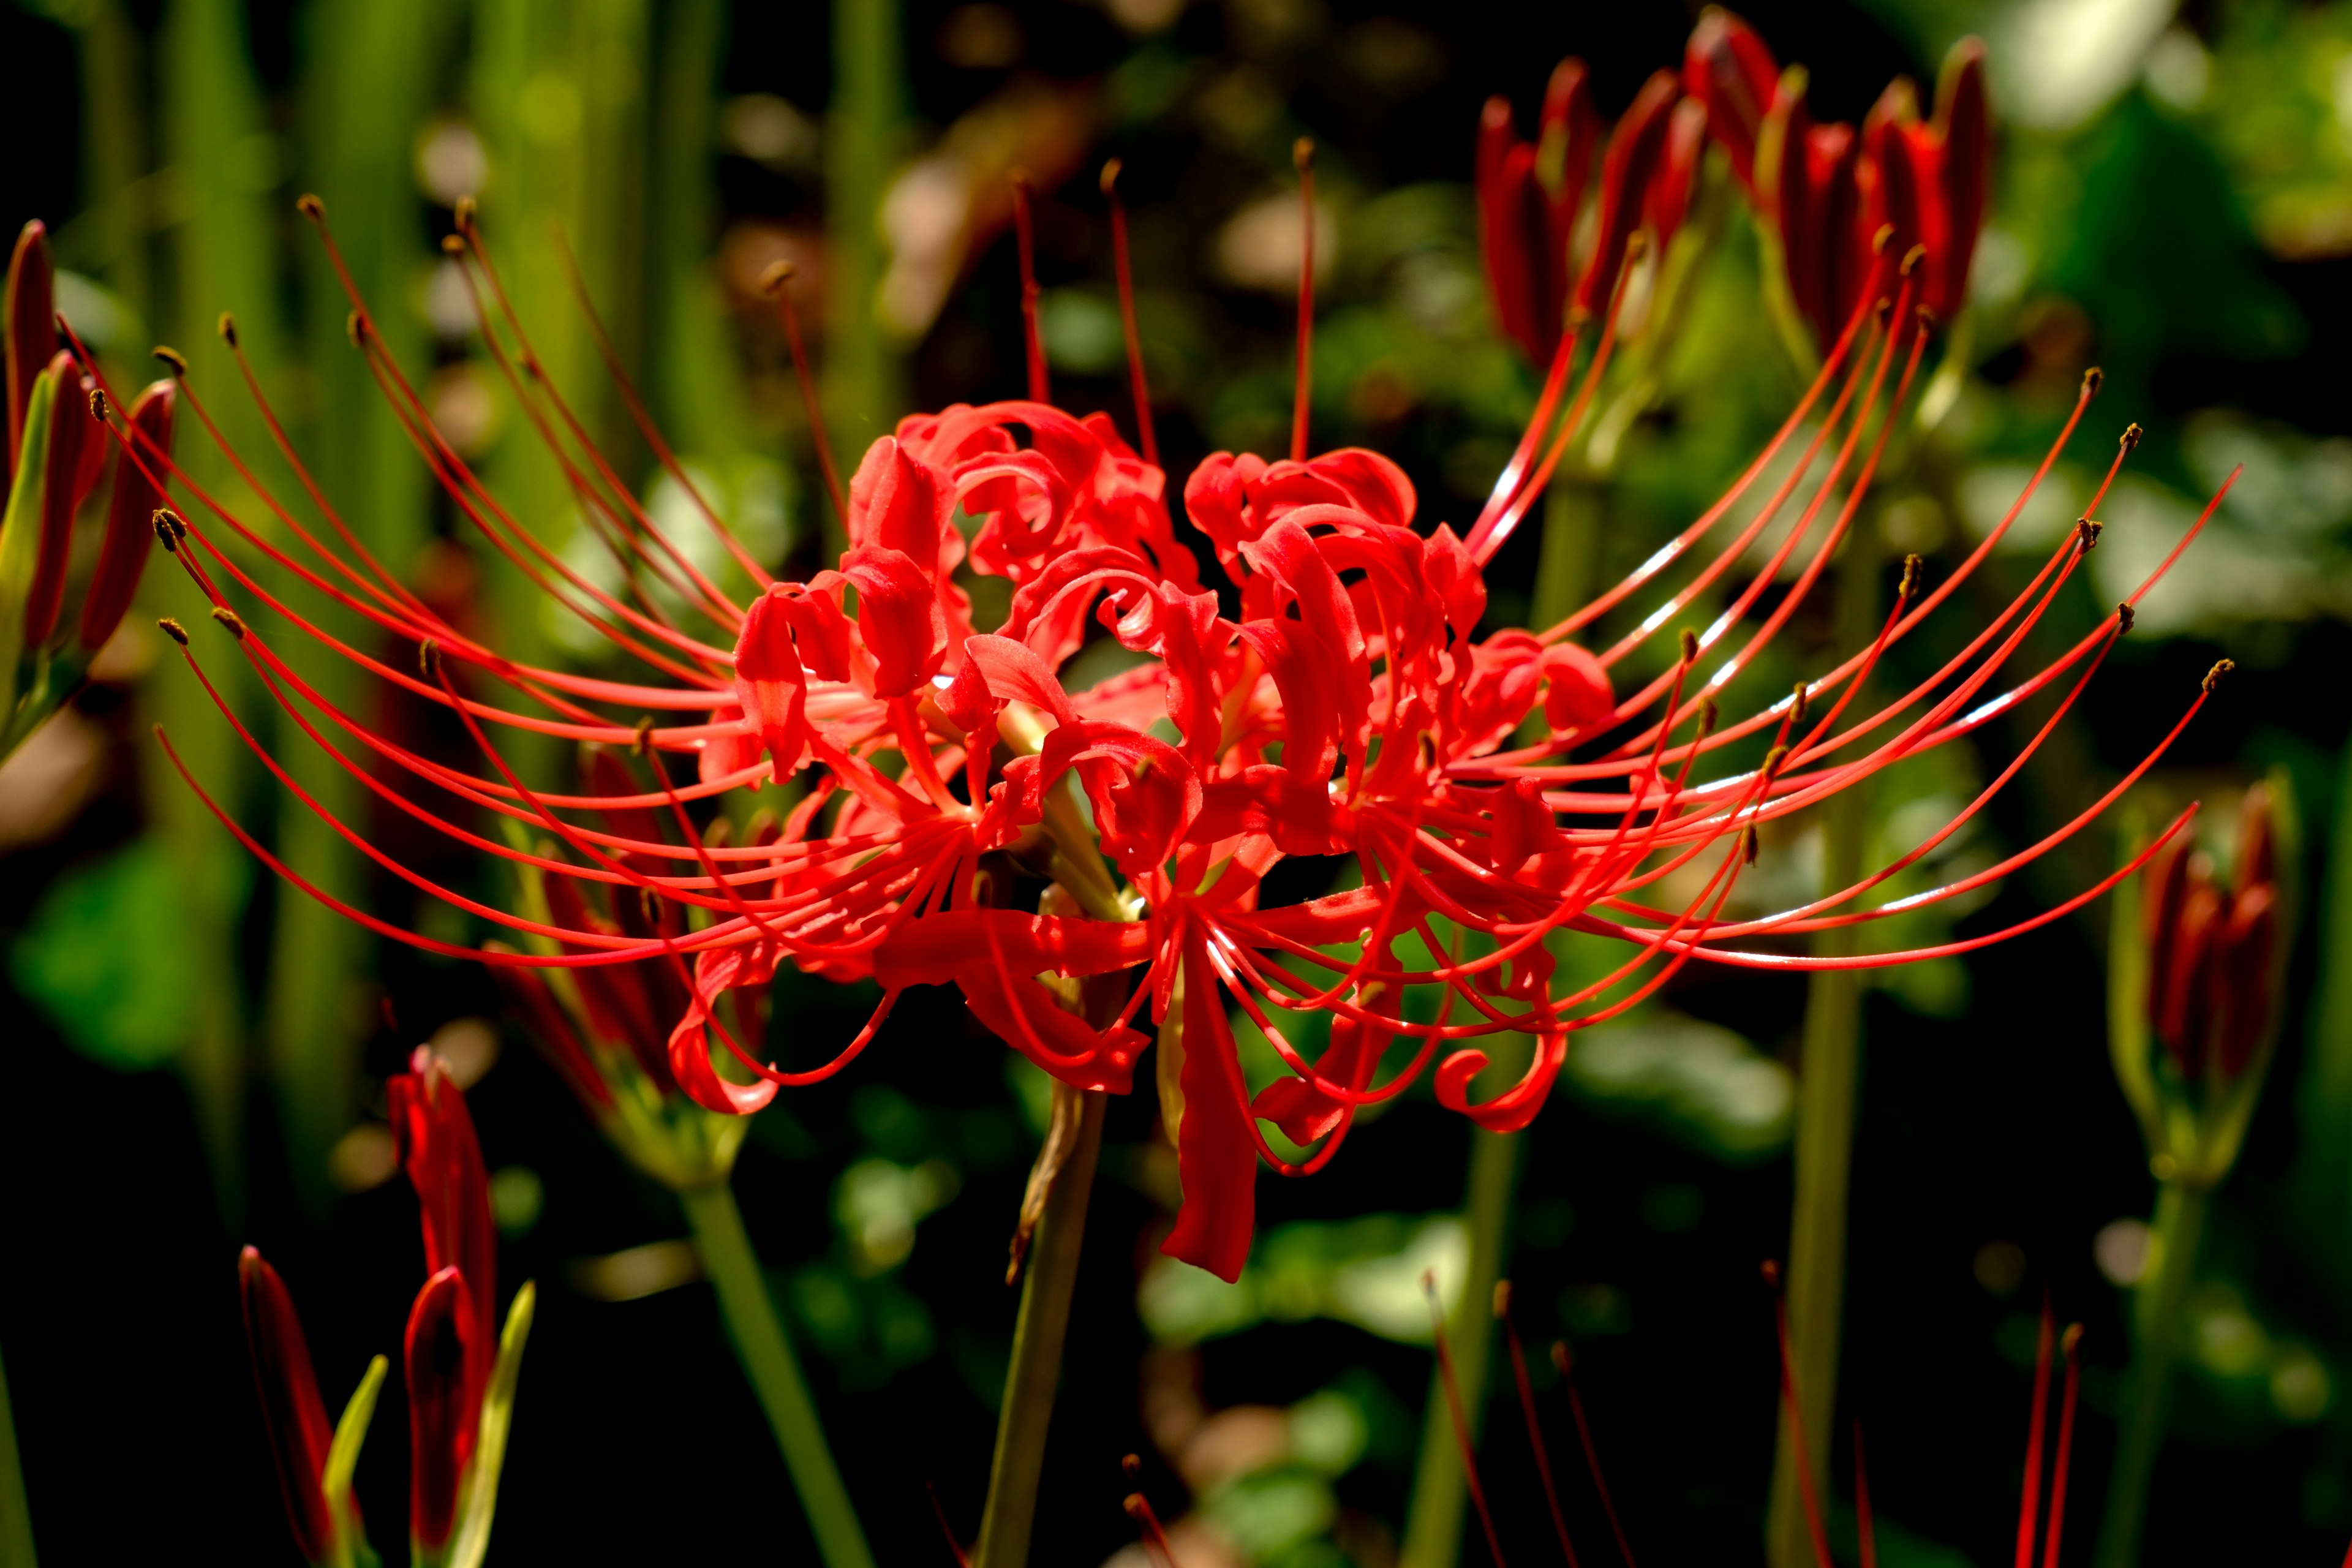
(435, 1136)
(446, 1362)
(2211, 971)
(1347, 708)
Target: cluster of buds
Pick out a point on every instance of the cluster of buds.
(1831, 200)
(460, 1367)
(2198, 974)
(67, 569)
(1831, 197)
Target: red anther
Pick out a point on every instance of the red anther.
(1729, 69)
(138, 494)
(1635, 149)
(447, 1362)
(32, 330)
(300, 1432)
(434, 1137)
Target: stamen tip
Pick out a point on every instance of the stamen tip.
(1688, 641)
(1562, 1357)
(172, 629)
(356, 326)
(2093, 379)
(1772, 1272)
(2072, 1338)
(1804, 699)
(463, 214)
(646, 738)
(176, 362)
(2132, 432)
(1882, 239)
(1502, 1298)
(776, 275)
(2124, 615)
(1132, 1465)
(1749, 847)
(2221, 672)
(428, 659)
(98, 404)
(1302, 153)
(229, 618)
(453, 245)
(1110, 176)
(228, 329)
(167, 528)
(2087, 531)
(1912, 259)
(310, 208)
(1912, 567)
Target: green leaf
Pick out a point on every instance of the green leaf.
(472, 1542)
(342, 1458)
(103, 957)
(20, 540)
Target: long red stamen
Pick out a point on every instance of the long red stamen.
(1461, 1421)
(1302, 153)
(963, 1558)
(1796, 1420)
(1561, 1359)
(2028, 1509)
(778, 281)
(1535, 1427)
(1139, 1508)
(1148, 441)
(1032, 345)
(2069, 1343)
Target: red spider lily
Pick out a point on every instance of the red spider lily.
(1349, 708)
(460, 1369)
(64, 584)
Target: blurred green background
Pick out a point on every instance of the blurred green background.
(194, 1055)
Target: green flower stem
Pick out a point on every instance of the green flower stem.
(2157, 1312)
(861, 374)
(16, 1516)
(1828, 1092)
(1037, 1336)
(1440, 1491)
(757, 1331)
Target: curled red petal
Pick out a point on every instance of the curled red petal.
(1216, 1157)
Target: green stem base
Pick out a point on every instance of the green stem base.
(1037, 1335)
(2163, 1299)
(758, 1332)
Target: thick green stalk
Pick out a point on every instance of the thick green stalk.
(758, 1332)
(861, 375)
(2324, 1166)
(111, 234)
(1440, 1490)
(1828, 1092)
(2157, 1312)
(15, 1515)
(1571, 538)
(1037, 1335)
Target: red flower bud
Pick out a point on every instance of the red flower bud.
(1667, 201)
(1636, 147)
(300, 1432)
(1527, 201)
(1728, 69)
(447, 1361)
(130, 516)
(75, 435)
(2211, 973)
(434, 1137)
(32, 328)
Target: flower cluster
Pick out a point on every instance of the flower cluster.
(1483, 789)
(461, 1368)
(65, 581)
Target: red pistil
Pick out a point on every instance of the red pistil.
(1535, 1427)
(1302, 154)
(1460, 1421)
(1031, 343)
(1142, 394)
(1805, 1489)
(1567, 1365)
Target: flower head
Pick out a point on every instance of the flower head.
(1488, 789)
(66, 570)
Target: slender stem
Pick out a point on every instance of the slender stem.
(1037, 1369)
(861, 375)
(1827, 1095)
(2163, 1295)
(16, 1514)
(1440, 1489)
(757, 1331)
